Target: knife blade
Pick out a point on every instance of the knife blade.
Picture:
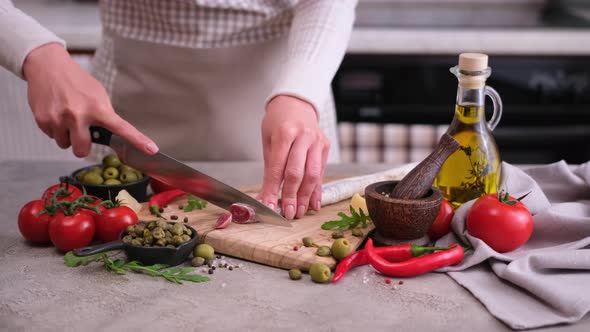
(177, 174)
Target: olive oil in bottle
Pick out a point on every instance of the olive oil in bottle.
(474, 169)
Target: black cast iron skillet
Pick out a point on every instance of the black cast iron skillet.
(145, 255)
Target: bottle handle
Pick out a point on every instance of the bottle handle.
(497, 101)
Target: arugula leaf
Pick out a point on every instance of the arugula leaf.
(195, 202)
(348, 222)
(72, 260)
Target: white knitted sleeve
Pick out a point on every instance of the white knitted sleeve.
(318, 39)
(19, 35)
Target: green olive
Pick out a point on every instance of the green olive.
(323, 251)
(127, 239)
(185, 238)
(320, 272)
(110, 173)
(111, 182)
(340, 248)
(160, 242)
(95, 169)
(167, 234)
(111, 160)
(295, 274)
(338, 235)
(198, 261)
(204, 250)
(124, 168)
(139, 174)
(357, 232)
(93, 179)
(128, 176)
(136, 242)
(308, 242)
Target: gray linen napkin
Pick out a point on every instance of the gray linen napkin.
(547, 280)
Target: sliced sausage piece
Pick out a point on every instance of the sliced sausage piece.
(224, 220)
(242, 213)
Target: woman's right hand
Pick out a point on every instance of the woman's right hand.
(66, 100)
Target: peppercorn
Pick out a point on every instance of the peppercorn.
(180, 207)
(295, 248)
(213, 268)
(161, 210)
(173, 217)
(210, 271)
(401, 282)
(185, 219)
(218, 256)
(230, 268)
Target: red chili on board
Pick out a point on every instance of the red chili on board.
(413, 266)
(395, 253)
(160, 200)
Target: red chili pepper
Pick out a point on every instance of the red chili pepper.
(161, 199)
(395, 253)
(413, 266)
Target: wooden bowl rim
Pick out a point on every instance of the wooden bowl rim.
(370, 191)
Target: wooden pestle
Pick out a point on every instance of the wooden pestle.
(418, 182)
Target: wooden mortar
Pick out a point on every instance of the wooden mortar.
(401, 219)
(418, 182)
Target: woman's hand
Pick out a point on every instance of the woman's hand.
(66, 100)
(295, 155)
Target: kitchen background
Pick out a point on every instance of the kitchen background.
(394, 92)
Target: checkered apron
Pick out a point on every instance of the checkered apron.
(194, 74)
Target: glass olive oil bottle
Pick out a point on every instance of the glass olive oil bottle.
(474, 169)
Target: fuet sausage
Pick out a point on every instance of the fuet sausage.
(242, 213)
(224, 220)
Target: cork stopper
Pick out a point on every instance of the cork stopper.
(472, 70)
(473, 61)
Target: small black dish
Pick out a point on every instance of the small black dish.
(137, 189)
(145, 255)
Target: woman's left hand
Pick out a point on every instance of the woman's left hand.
(295, 154)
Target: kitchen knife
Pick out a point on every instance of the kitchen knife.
(179, 175)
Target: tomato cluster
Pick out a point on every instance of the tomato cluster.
(70, 219)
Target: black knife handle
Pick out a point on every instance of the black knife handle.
(100, 135)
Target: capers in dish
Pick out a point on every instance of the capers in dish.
(152, 234)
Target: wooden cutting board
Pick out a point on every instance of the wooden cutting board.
(263, 243)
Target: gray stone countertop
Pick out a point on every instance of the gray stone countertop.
(39, 293)
(78, 23)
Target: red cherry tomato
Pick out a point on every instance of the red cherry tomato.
(71, 232)
(34, 227)
(111, 222)
(74, 192)
(442, 223)
(502, 222)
